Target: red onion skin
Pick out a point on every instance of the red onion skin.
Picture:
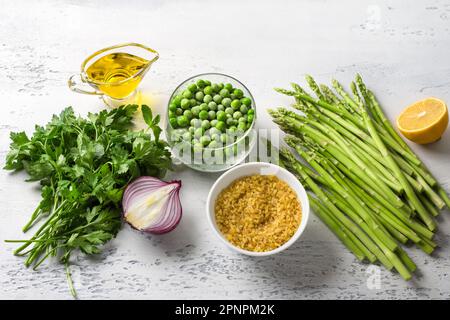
(174, 195)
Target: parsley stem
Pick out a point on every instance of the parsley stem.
(32, 240)
(35, 253)
(45, 257)
(69, 281)
(45, 225)
(33, 219)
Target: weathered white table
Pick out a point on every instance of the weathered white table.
(400, 48)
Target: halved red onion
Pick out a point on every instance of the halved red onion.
(152, 205)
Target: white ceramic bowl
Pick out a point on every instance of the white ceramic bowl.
(264, 169)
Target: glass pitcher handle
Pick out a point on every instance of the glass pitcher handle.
(77, 84)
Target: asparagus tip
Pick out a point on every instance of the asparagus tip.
(273, 113)
(284, 91)
(292, 141)
(336, 83)
(358, 78)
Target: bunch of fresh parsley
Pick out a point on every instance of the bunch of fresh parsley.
(83, 165)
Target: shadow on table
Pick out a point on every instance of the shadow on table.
(180, 242)
(307, 263)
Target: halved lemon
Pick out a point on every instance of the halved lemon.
(424, 121)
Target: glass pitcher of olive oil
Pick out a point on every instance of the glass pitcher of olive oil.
(114, 72)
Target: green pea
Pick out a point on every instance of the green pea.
(192, 87)
(180, 134)
(242, 126)
(192, 129)
(172, 114)
(251, 111)
(244, 109)
(204, 106)
(198, 133)
(246, 101)
(201, 83)
(213, 123)
(179, 112)
(215, 87)
(185, 103)
(229, 110)
(187, 136)
(203, 115)
(187, 94)
(221, 126)
(198, 147)
(182, 121)
(199, 96)
(230, 122)
(221, 115)
(206, 125)
(173, 107)
(181, 131)
(196, 123)
(235, 104)
(226, 102)
(232, 96)
(224, 93)
(205, 140)
(196, 110)
(249, 125)
(177, 100)
(229, 87)
(208, 90)
(207, 82)
(223, 137)
(250, 118)
(217, 98)
(232, 129)
(215, 137)
(237, 115)
(220, 107)
(221, 85)
(207, 98)
(214, 130)
(212, 106)
(188, 114)
(173, 122)
(193, 102)
(211, 115)
(238, 93)
(243, 119)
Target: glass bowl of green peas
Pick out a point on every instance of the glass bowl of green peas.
(210, 123)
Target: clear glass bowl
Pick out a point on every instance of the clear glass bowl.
(212, 159)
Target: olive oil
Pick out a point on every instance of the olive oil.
(117, 74)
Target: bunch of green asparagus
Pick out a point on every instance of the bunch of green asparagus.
(364, 181)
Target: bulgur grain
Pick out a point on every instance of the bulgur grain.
(258, 212)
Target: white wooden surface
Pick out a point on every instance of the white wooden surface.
(401, 49)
